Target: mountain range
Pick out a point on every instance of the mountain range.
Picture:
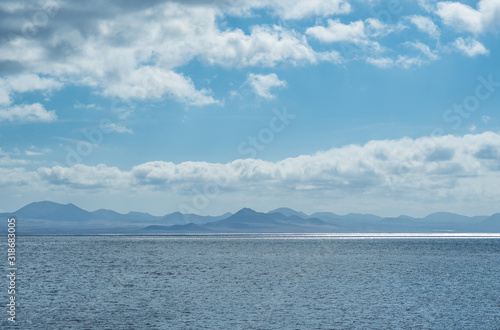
(54, 218)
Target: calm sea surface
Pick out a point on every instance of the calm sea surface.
(256, 282)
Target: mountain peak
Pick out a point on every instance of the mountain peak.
(246, 210)
(286, 211)
(52, 211)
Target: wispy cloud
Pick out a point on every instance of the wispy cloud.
(112, 127)
(79, 105)
(470, 47)
(426, 25)
(34, 151)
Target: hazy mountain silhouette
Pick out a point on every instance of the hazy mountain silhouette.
(452, 217)
(54, 218)
(53, 211)
(248, 220)
(178, 218)
(289, 212)
(491, 223)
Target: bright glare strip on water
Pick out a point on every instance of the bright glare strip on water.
(289, 236)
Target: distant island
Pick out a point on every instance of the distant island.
(53, 218)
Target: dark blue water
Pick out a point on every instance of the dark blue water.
(256, 282)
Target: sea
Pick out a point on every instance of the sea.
(256, 281)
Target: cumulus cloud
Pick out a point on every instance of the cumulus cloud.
(85, 177)
(262, 84)
(465, 18)
(470, 47)
(133, 51)
(139, 49)
(141, 63)
(152, 82)
(27, 113)
(22, 83)
(264, 46)
(31, 82)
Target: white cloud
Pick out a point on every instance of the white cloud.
(153, 82)
(27, 113)
(112, 127)
(358, 32)
(31, 82)
(84, 176)
(465, 18)
(425, 24)
(356, 38)
(460, 16)
(337, 31)
(485, 119)
(262, 84)
(470, 47)
(24, 83)
(265, 46)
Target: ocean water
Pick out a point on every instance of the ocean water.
(257, 282)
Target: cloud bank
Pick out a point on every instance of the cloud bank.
(448, 168)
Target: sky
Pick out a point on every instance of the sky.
(382, 107)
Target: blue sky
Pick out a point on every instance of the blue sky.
(385, 107)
